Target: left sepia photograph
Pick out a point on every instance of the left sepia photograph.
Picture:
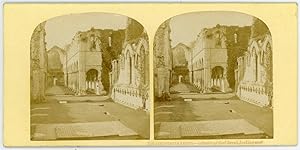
(89, 78)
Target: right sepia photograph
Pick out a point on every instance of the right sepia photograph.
(213, 77)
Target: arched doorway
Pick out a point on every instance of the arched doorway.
(217, 80)
(54, 81)
(91, 80)
(180, 79)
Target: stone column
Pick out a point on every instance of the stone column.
(97, 89)
(225, 84)
(99, 86)
(146, 68)
(202, 79)
(111, 74)
(133, 71)
(162, 80)
(222, 85)
(118, 68)
(218, 82)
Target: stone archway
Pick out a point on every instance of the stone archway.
(91, 80)
(217, 78)
(180, 79)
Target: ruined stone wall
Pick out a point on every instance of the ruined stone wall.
(130, 76)
(56, 61)
(254, 80)
(93, 50)
(163, 59)
(38, 64)
(209, 52)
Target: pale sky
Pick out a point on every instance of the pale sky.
(186, 27)
(61, 30)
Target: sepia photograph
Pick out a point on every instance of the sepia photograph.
(135, 75)
(213, 77)
(89, 78)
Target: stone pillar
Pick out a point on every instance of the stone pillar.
(146, 68)
(127, 69)
(42, 84)
(222, 85)
(162, 81)
(118, 68)
(133, 72)
(97, 89)
(35, 86)
(38, 64)
(199, 79)
(99, 86)
(112, 76)
(226, 84)
(202, 79)
(115, 73)
(218, 82)
(93, 85)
